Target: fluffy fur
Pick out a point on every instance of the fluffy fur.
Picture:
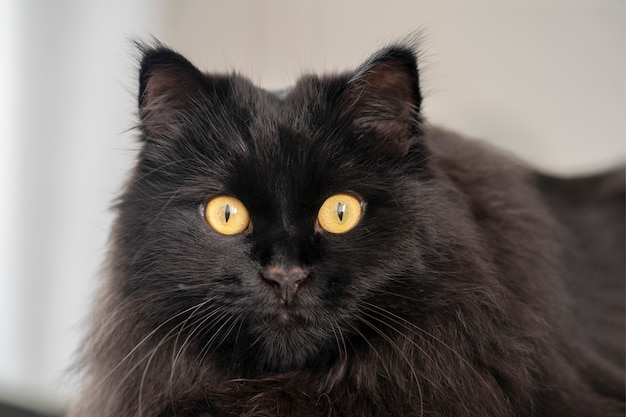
(471, 286)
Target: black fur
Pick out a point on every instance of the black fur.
(470, 287)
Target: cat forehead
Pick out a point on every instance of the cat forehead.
(308, 91)
(290, 136)
(299, 111)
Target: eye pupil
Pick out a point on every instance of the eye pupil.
(341, 209)
(227, 212)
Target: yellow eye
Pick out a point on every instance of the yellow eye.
(339, 213)
(227, 215)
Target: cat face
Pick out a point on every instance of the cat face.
(265, 231)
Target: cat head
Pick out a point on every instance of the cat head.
(259, 227)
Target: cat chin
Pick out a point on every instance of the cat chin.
(283, 318)
(286, 344)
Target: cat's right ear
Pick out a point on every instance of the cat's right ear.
(383, 100)
(168, 84)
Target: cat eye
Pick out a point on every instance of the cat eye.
(227, 215)
(339, 213)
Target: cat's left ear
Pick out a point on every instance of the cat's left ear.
(383, 99)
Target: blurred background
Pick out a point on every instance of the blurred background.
(543, 79)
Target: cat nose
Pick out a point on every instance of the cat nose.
(285, 280)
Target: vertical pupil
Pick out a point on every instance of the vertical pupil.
(227, 212)
(341, 208)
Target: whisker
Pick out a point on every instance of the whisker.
(206, 348)
(401, 321)
(177, 352)
(150, 356)
(342, 347)
(343, 340)
(412, 326)
(382, 360)
(406, 338)
(404, 357)
(145, 339)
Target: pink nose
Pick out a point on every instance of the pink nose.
(285, 280)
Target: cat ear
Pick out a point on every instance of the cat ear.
(168, 83)
(383, 99)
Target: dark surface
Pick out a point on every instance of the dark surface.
(8, 410)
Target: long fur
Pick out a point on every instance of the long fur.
(471, 286)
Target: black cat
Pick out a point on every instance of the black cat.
(325, 252)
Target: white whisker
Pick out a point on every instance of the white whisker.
(402, 354)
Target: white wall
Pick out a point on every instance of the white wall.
(542, 79)
(67, 82)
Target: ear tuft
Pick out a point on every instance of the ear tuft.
(383, 99)
(167, 84)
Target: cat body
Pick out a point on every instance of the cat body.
(468, 286)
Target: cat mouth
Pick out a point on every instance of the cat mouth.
(286, 319)
(283, 317)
